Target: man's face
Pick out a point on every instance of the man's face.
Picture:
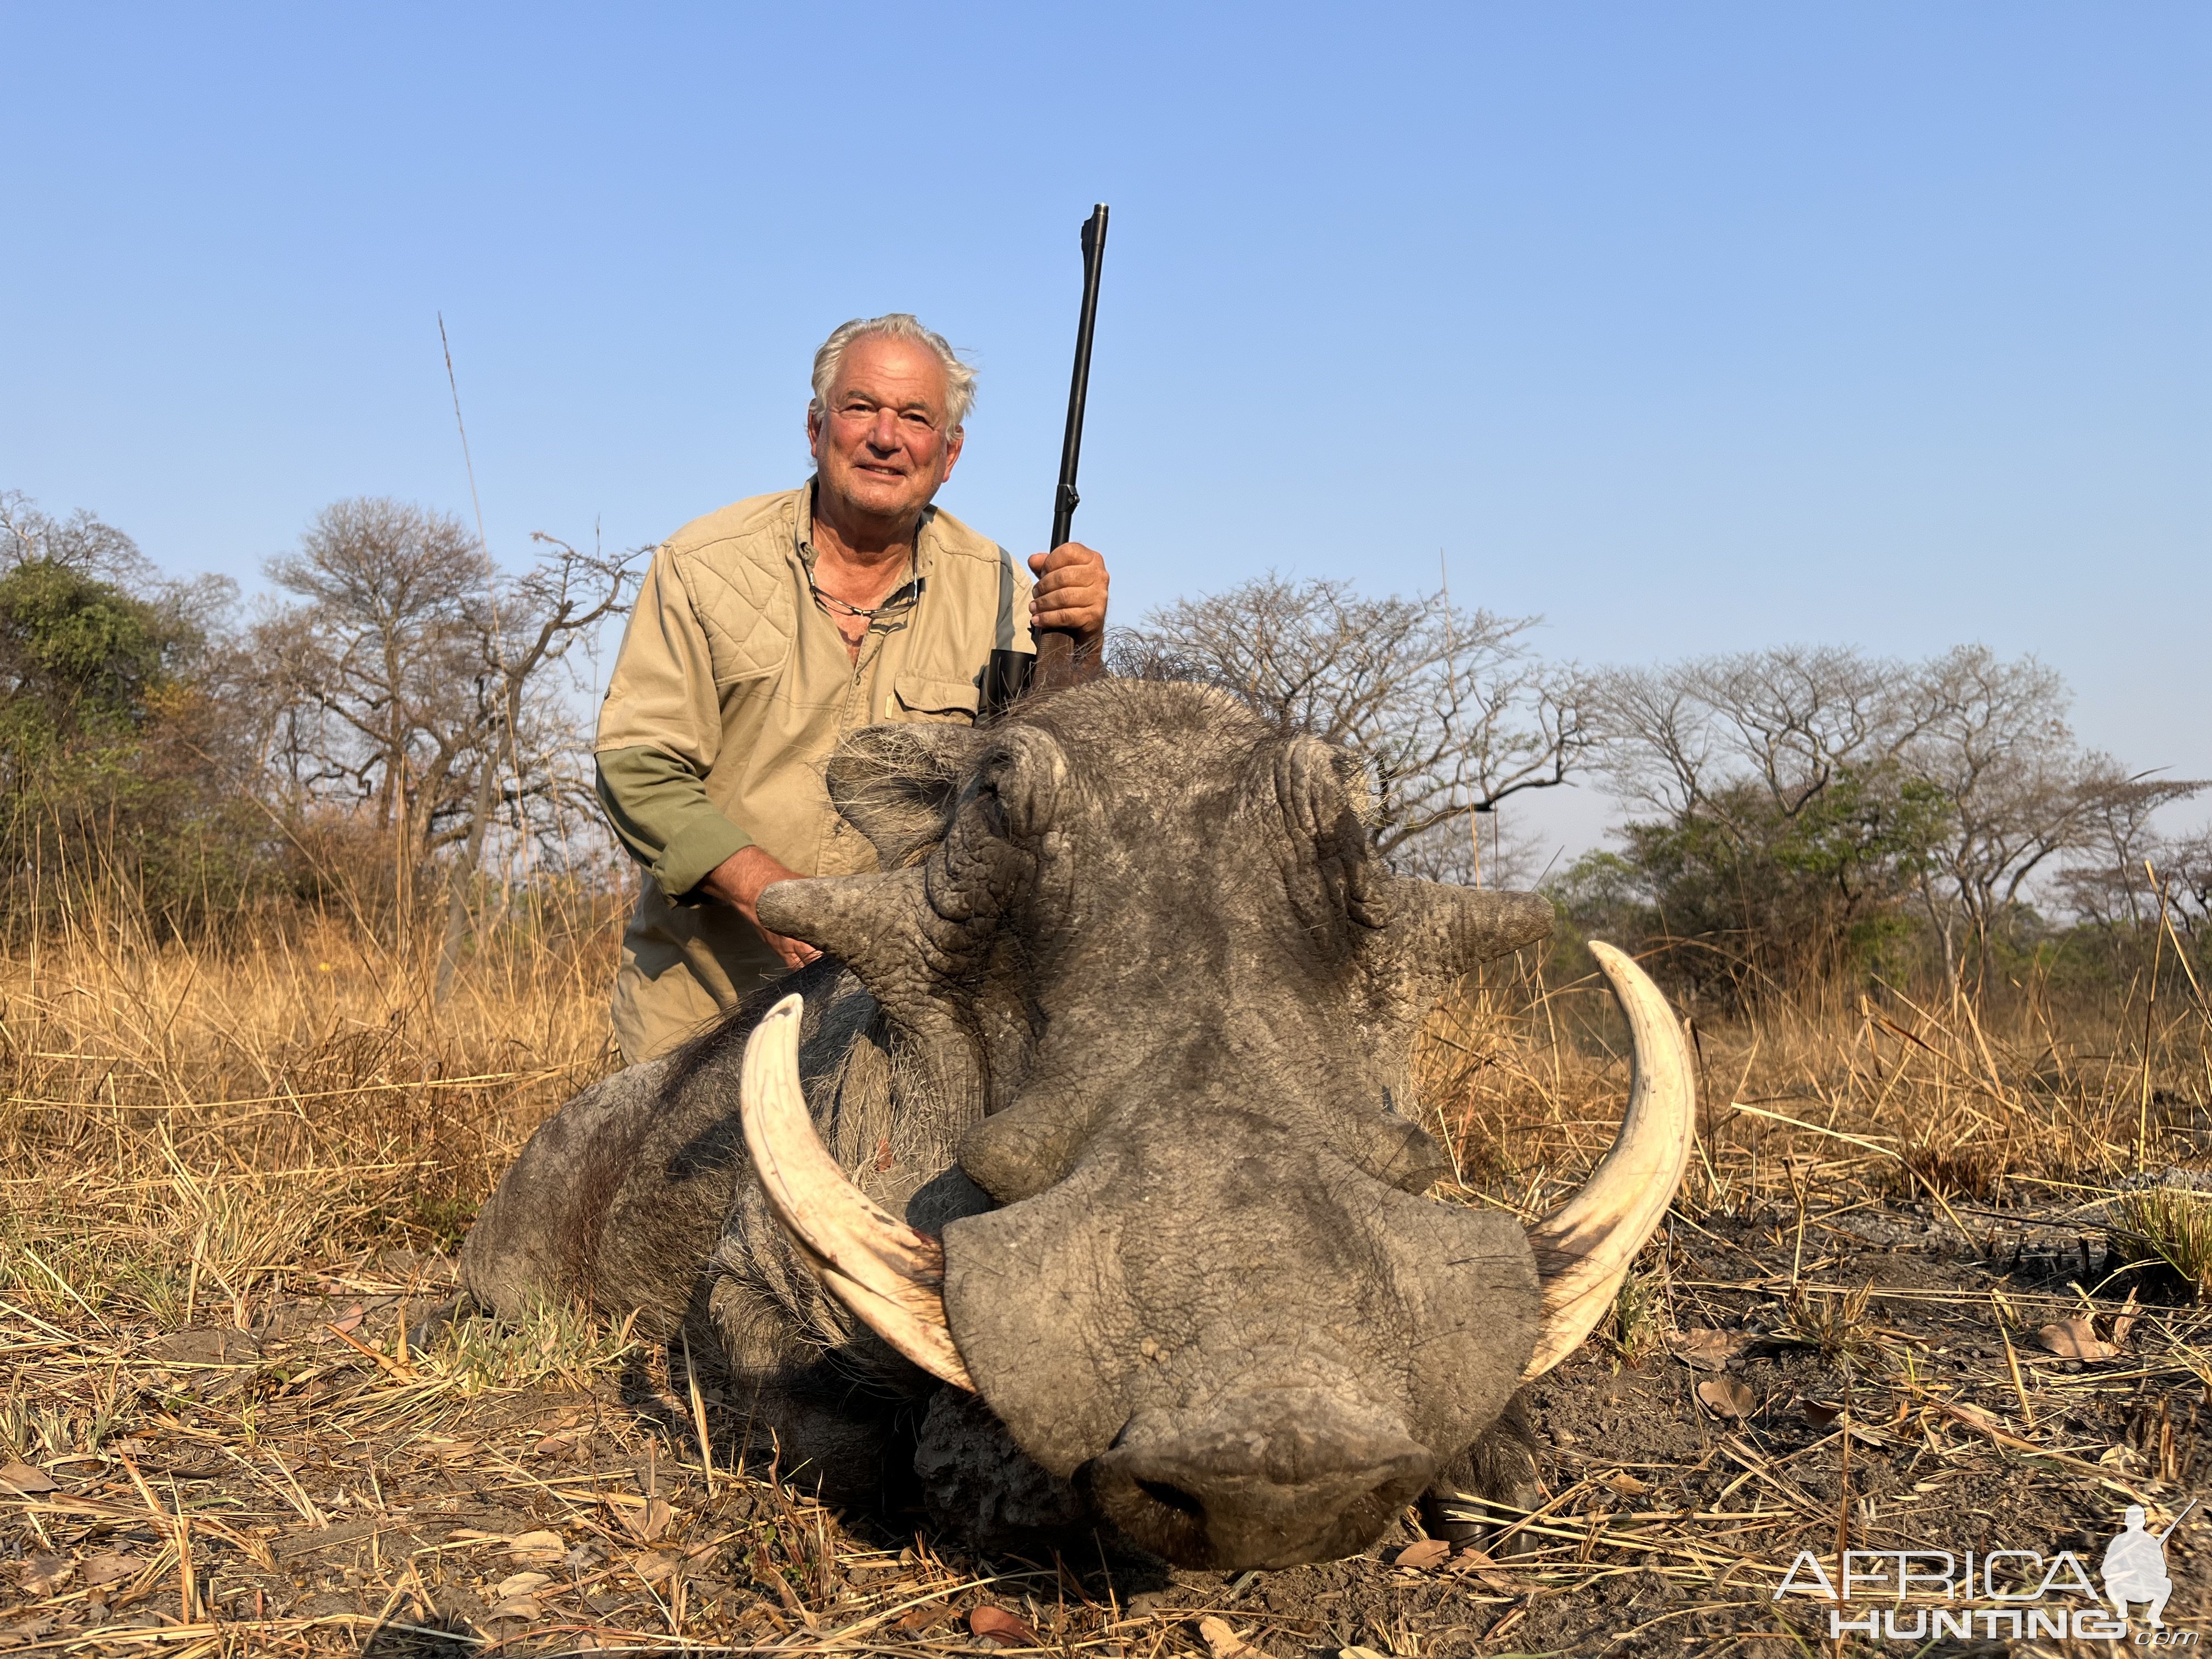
(880, 446)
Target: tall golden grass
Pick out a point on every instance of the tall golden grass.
(182, 1125)
(2023, 1103)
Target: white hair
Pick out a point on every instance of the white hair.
(959, 378)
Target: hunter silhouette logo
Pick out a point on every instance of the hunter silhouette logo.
(1910, 1595)
(2135, 1567)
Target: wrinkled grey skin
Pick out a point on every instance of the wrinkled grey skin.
(1124, 1019)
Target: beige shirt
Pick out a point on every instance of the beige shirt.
(731, 675)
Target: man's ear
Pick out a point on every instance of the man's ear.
(814, 431)
(953, 440)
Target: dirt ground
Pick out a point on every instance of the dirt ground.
(1860, 1370)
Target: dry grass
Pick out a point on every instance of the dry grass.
(181, 1128)
(269, 1142)
(2170, 1226)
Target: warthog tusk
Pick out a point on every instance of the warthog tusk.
(891, 1276)
(1584, 1248)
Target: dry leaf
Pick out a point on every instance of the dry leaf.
(652, 1566)
(1001, 1626)
(344, 1325)
(562, 1444)
(1626, 1484)
(1708, 1349)
(522, 1607)
(521, 1583)
(649, 1523)
(1819, 1413)
(1428, 1552)
(42, 1575)
(923, 1617)
(109, 1570)
(1358, 1653)
(1726, 1397)
(2075, 1339)
(1224, 1642)
(547, 1547)
(27, 1480)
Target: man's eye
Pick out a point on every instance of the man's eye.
(917, 417)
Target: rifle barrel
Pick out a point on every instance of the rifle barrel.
(1055, 656)
(1066, 498)
(2177, 1521)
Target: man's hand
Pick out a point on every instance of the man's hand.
(1070, 591)
(737, 881)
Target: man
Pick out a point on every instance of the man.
(2135, 1568)
(766, 632)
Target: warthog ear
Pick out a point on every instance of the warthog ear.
(936, 915)
(896, 784)
(923, 938)
(1329, 869)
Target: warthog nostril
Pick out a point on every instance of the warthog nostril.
(1267, 1479)
(1174, 1497)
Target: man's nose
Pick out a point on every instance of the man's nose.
(884, 432)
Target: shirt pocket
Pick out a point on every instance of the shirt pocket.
(927, 697)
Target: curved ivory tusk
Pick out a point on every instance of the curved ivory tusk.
(1592, 1239)
(890, 1275)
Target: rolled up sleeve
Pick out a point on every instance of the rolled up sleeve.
(659, 807)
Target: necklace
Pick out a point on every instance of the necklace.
(903, 598)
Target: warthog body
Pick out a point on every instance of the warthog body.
(1125, 1022)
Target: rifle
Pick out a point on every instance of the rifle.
(1056, 664)
(2178, 1519)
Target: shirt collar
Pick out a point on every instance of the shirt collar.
(802, 532)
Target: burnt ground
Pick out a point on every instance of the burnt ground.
(1775, 1380)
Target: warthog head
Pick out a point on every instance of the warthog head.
(1146, 936)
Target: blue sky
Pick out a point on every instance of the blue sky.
(1691, 327)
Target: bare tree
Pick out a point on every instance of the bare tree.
(378, 663)
(533, 625)
(1728, 740)
(1680, 738)
(1993, 736)
(414, 679)
(2184, 869)
(2109, 885)
(1448, 706)
(80, 542)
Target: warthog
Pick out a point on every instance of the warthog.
(1120, 1031)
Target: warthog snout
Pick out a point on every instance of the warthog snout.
(1263, 1478)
